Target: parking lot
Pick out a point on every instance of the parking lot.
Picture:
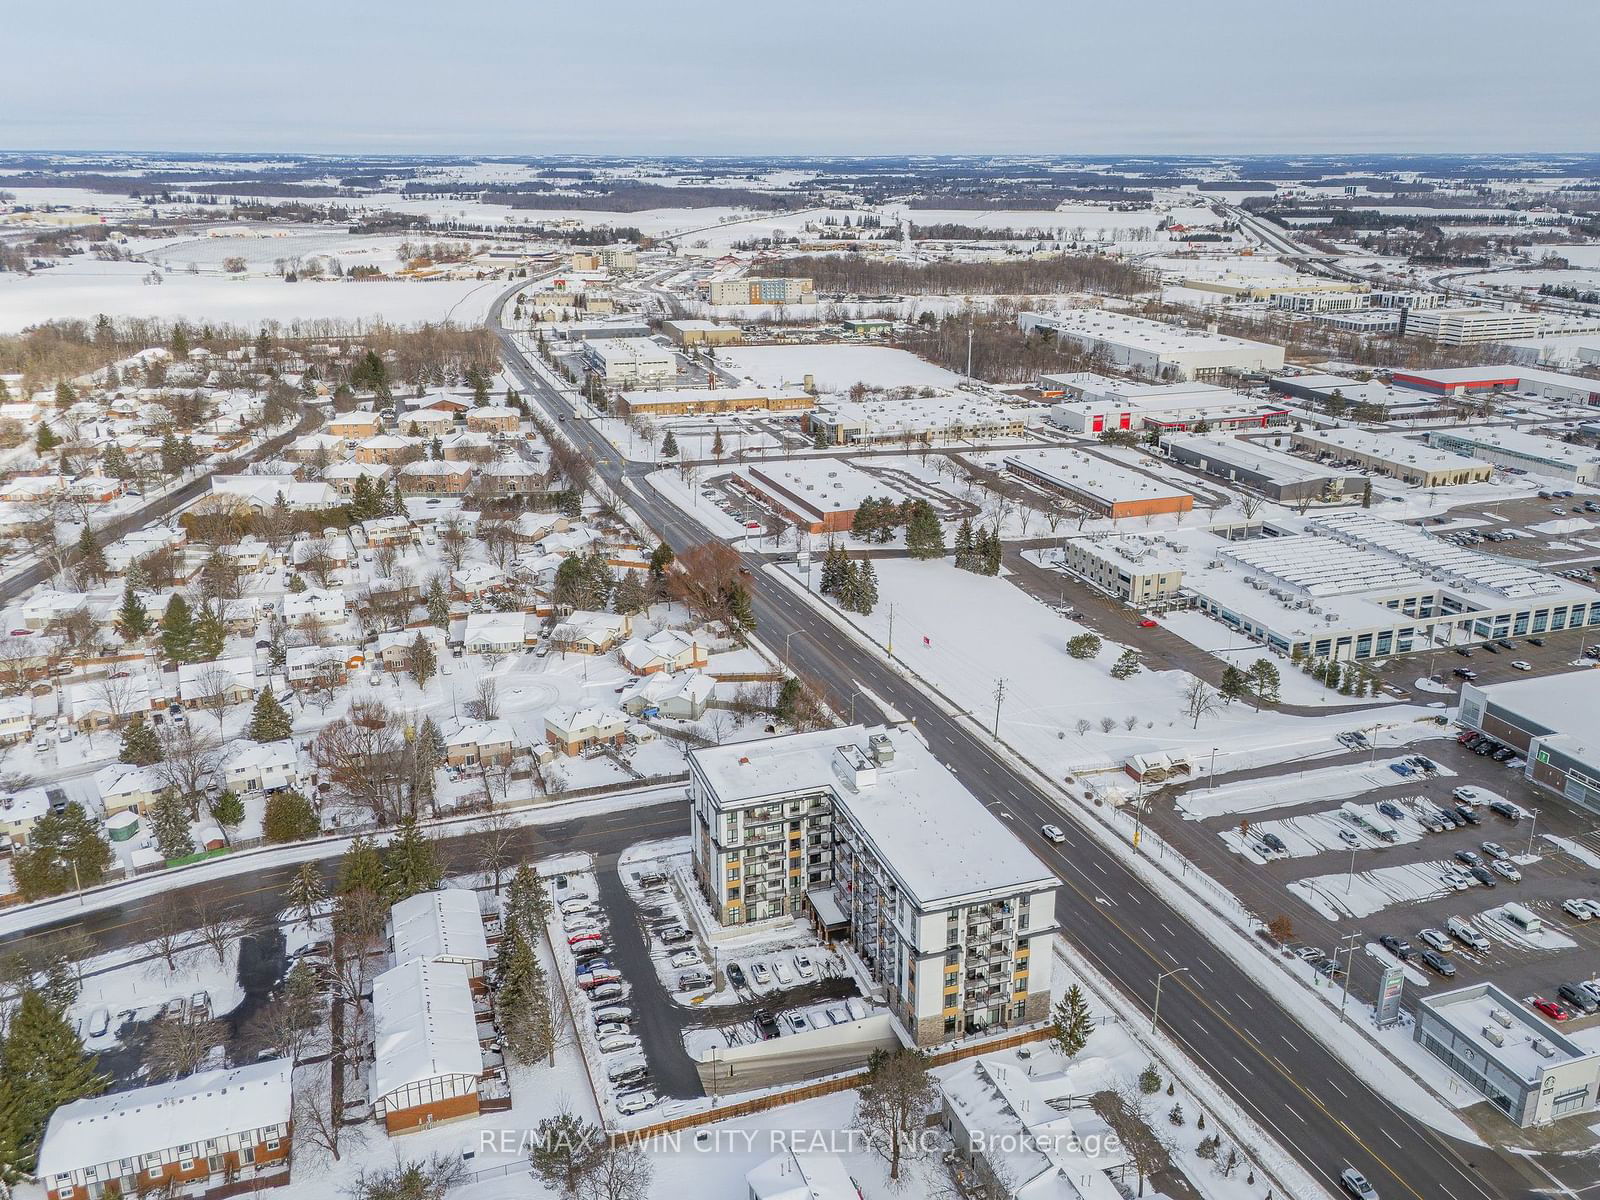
(1330, 888)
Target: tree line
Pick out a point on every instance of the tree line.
(859, 274)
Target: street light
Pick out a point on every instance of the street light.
(1349, 967)
(1531, 829)
(1155, 1013)
(1212, 785)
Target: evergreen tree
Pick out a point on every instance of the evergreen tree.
(210, 635)
(306, 894)
(65, 850)
(289, 817)
(1126, 666)
(992, 551)
(964, 547)
(115, 463)
(427, 757)
(867, 588)
(718, 448)
(140, 746)
(630, 596)
(438, 604)
(10, 1132)
(1234, 685)
(868, 517)
(180, 341)
(1084, 646)
(1071, 1023)
(133, 619)
(660, 559)
(835, 570)
(44, 1067)
(422, 661)
(523, 1000)
(66, 394)
(269, 720)
(669, 445)
(924, 538)
(227, 810)
(740, 611)
(169, 821)
(411, 864)
(177, 630)
(361, 868)
(1264, 682)
(527, 903)
(819, 438)
(89, 558)
(361, 500)
(171, 454)
(45, 440)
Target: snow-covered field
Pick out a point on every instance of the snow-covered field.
(81, 288)
(835, 368)
(1304, 787)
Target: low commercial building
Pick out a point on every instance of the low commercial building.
(941, 417)
(688, 332)
(630, 362)
(1389, 454)
(817, 494)
(234, 1126)
(1530, 381)
(427, 1059)
(752, 290)
(1154, 348)
(679, 402)
(853, 827)
(1553, 721)
(1098, 484)
(1093, 403)
(1523, 452)
(1470, 326)
(1327, 391)
(1133, 569)
(1276, 475)
(1524, 1066)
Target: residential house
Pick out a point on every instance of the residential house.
(124, 787)
(584, 632)
(19, 812)
(261, 767)
(354, 426)
(305, 666)
(468, 446)
(386, 449)
(493, 418)
(388, 531)
(343, 476)
(682, 696)
(312, 447)
(228, 680)
(533, 527)
(393, 649)
(16, 720)
(476, 578)
(47, 606)
(427, 423)
(444, 926)
(324, 606)
(426, 1057)
(801, 1175)
(480, 743)
(495, 632)
(666, 650)
(435, 478)
(235, 1122)
(574, 730)
(106, 703)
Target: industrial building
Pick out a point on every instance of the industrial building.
(1389, 454)
(750, 290)
(1531, 381)
(1553, 720)
(816, 494)
(688, 332)
(630, 362)
(1239, 287)
(1092, 403)
(1520, 451)
(1154, 348)
(1319, 390)
(1529, 1070)
(853, 827)
(1340, 585)
(942, 417)
(1095, 483)
(1276, 475)
(1470, 326)
(677, 402)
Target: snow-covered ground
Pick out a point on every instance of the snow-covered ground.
(836, 368)
(1339, 782)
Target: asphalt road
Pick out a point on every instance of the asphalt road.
(1321, 1110)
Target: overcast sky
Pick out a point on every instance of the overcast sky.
(830, 76)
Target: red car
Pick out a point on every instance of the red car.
(1550, 1008)
(1147, 623)
(584, 939)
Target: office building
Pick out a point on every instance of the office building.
(630, 362)
(820, 495)
(1523, 452)
(1153, 348)
(1098, 484)
(853, 828)
(749, 290)
(1470, 326)
(1388, 454)
(1553, 721)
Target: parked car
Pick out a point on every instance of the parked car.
(1465, 795)
(1506, 809)
(1468, 857)
(1466, 815)
(1550, 1008)
(759, 973)
(1577, 908)
(1349, 838)
(620, 1044)
(613, 1012)
(797, 1023)
(1400, 768)
(1483, 877)
(1494, 850)
(1438, 963)
(1520, 665)
(1396, 946)
(1436, 939)
(683, 960)
(1275, 843)
(1453, 878)
(1147, 623)
(781, 972)
(735, 975)
(606, 993)
(633, 1103)
(1575, 996)
(1505, 643)
(804, 967)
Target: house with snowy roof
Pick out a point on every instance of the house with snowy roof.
(586, 632)
(574, 730)
(426, 1056)
(665, 650)
(261, 766)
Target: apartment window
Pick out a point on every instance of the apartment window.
(949, 1024)
(273, 1144)
(247, 1155)
(952, 958)
(733, 872)
(733, 893)
(186, 1164)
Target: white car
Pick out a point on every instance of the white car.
(1052, 833)
(683, 960)
(803, 966)
(619, 1044)
(636, 1102)
(759, 973)
(1501, 867)
(1519, 665)
(781, 972)
(797, 1023)
(1437, 940)
(1456, 880)
(1465, 795)
(1577, 908)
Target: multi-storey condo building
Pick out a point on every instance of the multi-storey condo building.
(747, 289)
(865, 832)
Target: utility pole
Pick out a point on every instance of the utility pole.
(970, 321)
(999, 697)
(1349, 966)
(890, 646)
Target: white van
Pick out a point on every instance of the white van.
(1466, 934)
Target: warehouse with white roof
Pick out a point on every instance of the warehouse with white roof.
(1098, 484)
(1154, 348)
(1389, 454)
(1519, 451)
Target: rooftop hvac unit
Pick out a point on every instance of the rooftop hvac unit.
(1543, 1048)
(1500, 1017)
(1491, 1034)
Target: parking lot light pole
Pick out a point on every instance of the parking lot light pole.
(1212, 785)
(1531, 830)
(1373, 757)
(1350, 875)
(1155, 1012)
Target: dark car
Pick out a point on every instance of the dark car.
(1506, 809)
(1464, 673)
(1438, 962)
(1391, 810)
(1505, 643)
(1398, 947)
(1466, 814)
(1504, 754)
(736, 975)
(1469, 857)
(1423, 761)
(1491, 648)
(767, 1025)
(1484, 877)
(1464, 651)
(1536, 641)
(1274, 843)
(1575, 997)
